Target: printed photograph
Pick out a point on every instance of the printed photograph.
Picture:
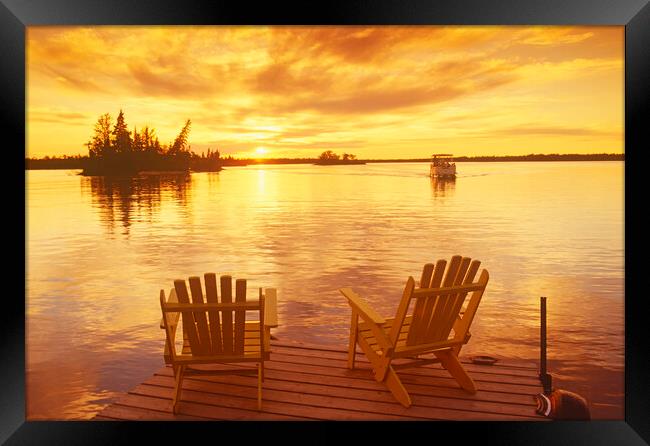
(287, 223)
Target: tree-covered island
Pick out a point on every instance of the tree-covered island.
(328, 158)
(114, 150)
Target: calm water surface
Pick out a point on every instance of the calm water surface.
(99, 251)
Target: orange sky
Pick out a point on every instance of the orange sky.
(377, 92)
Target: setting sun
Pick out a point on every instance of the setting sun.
(261, 151)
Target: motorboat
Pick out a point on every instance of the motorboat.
(442, 166)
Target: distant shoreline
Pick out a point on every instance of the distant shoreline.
(77, 162)
(338, 162)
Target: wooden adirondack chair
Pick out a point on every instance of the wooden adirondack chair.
(215, 330)
(436, 325)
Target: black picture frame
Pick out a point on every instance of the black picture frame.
(16, 15)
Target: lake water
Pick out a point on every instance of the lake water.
(99, 251)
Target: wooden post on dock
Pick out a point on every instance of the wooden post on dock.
(543, 375)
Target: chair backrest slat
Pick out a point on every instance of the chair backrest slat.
(466, 278)
(420, 303)
(262, 300)
(431, 304)
(461, 325)
(189, 324)
(226, 315)
(437, 332)
(212, 296)
(443, 300)
(420, 330)
(200, 317)
(427, 274)
(439, 299)
(240, 316)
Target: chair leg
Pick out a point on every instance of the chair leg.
(260, 372)
(353, 339)
(178, 386)
(397, 388)
(450, 361)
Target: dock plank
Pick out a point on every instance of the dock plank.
(304, 383)
(272, 408)
(371, 384)
(298, 346)
(467, 363)
(317, 406)
(278, 388)
(481, 373)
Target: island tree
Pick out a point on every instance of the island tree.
(112, 149)
(328, 155)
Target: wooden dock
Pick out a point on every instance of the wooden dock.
(308, 382)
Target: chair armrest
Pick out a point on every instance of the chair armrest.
(360, 306)
(374, 320)
(271, 308)
(173, 325)
(172, 298)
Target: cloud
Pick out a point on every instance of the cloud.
(57, 117)
(174, 83)
(282, 78)
(73, 80)
(349, 91)
(378, 101)
(554, 36)
(560, 43)
(537, 130)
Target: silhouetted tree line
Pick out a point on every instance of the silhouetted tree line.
(329, 157)
(231, 161)
(530, 157)
(113, 149)
(213, 161)
(63, 162)
(547, 157)
(206, 163)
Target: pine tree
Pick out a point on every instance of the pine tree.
(100, 144)
(136, 146)
(121, 135)
(147, 139)
(180, 142)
